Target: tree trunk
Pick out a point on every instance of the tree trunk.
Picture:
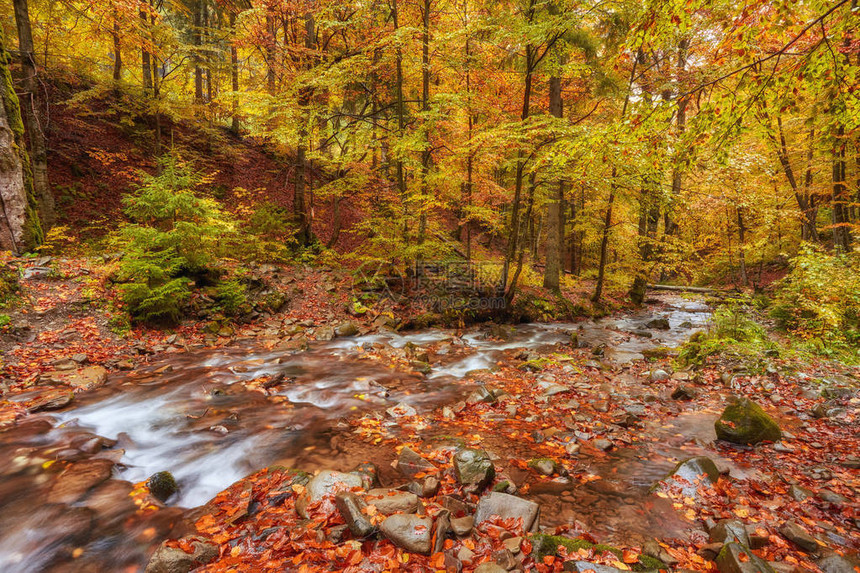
(613, 186)
(554, 212)
(401, 176)
(300, 200)
(671, 227)
(197, 22)
(741, 255)
(31, 105)
(426, 153)
(117, 48)
(146, 72)
(840, 197)
(513, 240)
(19, 223)
(235, 124)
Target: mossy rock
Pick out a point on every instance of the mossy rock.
(536, 365)
(544, 545)
(744, 422)
(162, 485)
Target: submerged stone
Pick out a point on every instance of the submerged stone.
(162, 485)
(473, 467)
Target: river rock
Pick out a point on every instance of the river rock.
(728, 531)
(506, 506)
(347, 328)
(473, 467)
(490, 568)
(326, 483)
(410, 463)
(390, 501)
(401, 410)
(410, 532)
(588, 566)
(481, 394)
(50, 399)
(500, 331)
(162, 485)
(683, 392)
(835, 563)
(88, 378)
(658, 375)
(658, 324)
(325, 333)
(544, 466)
(369, 473)
(735, 558)
(79, 478)
(799, 536)
(744, 422)
(462, 526)
(798, 493)
(350, 507)
(175, 560)
(693, 471)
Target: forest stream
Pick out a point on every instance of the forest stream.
(192, 414)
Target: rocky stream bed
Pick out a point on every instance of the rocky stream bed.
(497, 448)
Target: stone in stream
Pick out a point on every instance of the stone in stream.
(588, 566)
(744, 422)
(658, 375)
(473, 467)
(175, 560)
(691, 472)
(481, 394)
(347, 328)
(729, 530)
(401, 410)
(799, 536)
(507, 506)
(78, 479)
(798, 493)
(658, 324)
(410, 462)
(350, 507)
(369, 473)
(683, 392)
(162, 485)
(544, 466)
(88, 378)
(325, 333)
(390, 501)
(736, 558)
(410, 532)
(50, 399)
(326, 483)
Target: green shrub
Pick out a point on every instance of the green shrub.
(175, 235)
(820, 297)
(232, 296)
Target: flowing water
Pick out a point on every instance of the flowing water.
(192, 414)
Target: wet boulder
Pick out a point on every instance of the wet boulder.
(543, 466)
(500, 332)
(391, 501)
(410, 532)
(410, 463)
(473, 467)
(481, 394)
(736, 558)
(835, 563)
(684, 392)
(744, 422)
(350, 507)
(78, 479)
(325, 333)
(728, 531)
(324, 484)
(658, 375)
(506, 506)
(173, 559)
(347, 328)
(799, 536)
(588, 567)
(659, 323)
(50, 399)
(88, 378)
(462, 526)
(687, 474)
(369, 473)
(162, 485)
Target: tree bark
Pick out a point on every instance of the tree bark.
(300, 200)
(146, 71)
(840, 197)
(235, 123)
(426, 153)
(554, 212)
(19, 223)
(117, 48)
(401, 176)
(31, 105)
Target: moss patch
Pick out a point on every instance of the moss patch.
(544, 545)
